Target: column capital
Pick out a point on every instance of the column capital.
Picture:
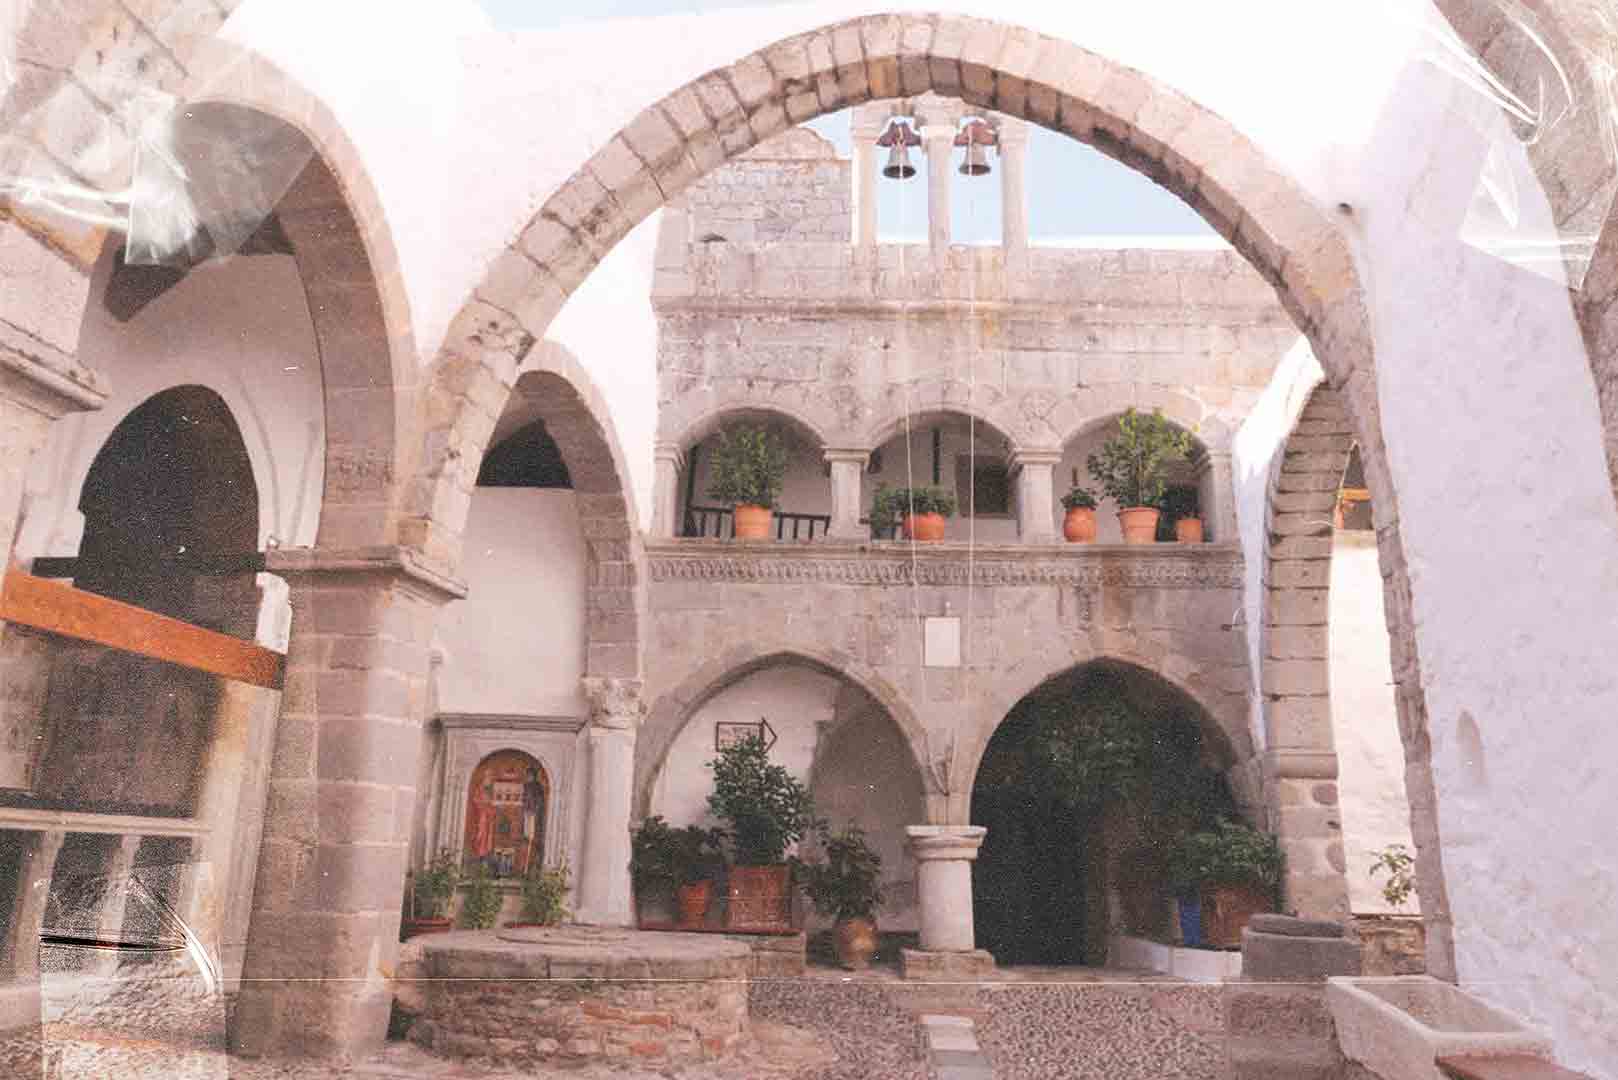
(615, 704)
(859, 454)
(945, 842)
(669, 451)
(1010, 131)
(407, 564)
(46, 388)
(1035, 456)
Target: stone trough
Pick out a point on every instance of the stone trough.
(527, 996)
(1399, 1026)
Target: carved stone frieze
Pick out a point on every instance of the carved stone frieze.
(1209, 568)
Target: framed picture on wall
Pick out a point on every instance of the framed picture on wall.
(730, 732)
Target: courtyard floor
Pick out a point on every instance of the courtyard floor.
(1031, 1024)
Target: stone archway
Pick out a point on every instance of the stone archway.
(1151, 127)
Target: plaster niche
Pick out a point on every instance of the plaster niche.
(471, 738)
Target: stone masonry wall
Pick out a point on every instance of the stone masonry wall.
(792, 188)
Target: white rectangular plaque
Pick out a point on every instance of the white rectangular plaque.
(942, 642)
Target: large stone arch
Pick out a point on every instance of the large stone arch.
(1149, 126)
(554, 388)
(674, 707)
(890, 422)
(690, 421)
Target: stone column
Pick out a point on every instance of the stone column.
(116, 871)
(847, 466)
(1220, 518)
(1036, 494)
(668, 462)
(1013, 139)
(944, 855)
(324, 938)
(20, 1002)
(939, 142)
(616, 711)
(865, 129)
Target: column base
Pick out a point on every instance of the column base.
(924, 964)
(323, 1020)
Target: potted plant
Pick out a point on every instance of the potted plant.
(1182, 514)
(652, 855)
(699, 860)
(847, 887)
(544, 896)
(1079, 526)
(1132, 468)
(432, 889)
(483, 901)
(1231, 872)
(748, 467)
(767, 809)
(922, 511)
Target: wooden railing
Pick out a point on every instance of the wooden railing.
(719, 523)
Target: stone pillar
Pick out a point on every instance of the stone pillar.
(939, 142)
(944, 855)
(865, 129)
(1013, 140)
(616, 710)
(20, 1004)
(1220, 518)
(668, 462)
(32, 394)
(847, 466)
(324, 938)
(116, 871)
(1036, 495)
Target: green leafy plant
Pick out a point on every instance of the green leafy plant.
(544, 895)
(747, 468)
(1179, 501)
(432, 886)
(1093, 756)
(890, 506)
(767, 807)
(848, 883)
(1229, 854)
(1396, 861)
(1132, 466)
(483, 899)
(663, 855)
(1079, 497)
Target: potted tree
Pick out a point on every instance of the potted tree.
(674, 867)
(748, 467)
(1132, 469)
(699, 861)
(1230, 872)
(847, 887)
(432, 889)
(1182, 514)
(1079, 526)
(544, 896)
(923, 510)
(768, 809)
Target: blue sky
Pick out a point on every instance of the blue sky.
(1073, 191)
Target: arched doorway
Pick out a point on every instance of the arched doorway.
(1081, 788)
(507, 803)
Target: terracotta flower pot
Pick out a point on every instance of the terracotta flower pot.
(694, 899)
(760, 898)
(1225, 911)
(1139, 524)
(856, 943)
(418, 927)
(654, 905)
(753, 522)
(1079, 526)
(1188, 530)
(924, 527)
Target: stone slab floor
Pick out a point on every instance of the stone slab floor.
(1032, 1024)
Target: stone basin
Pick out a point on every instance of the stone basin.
(1398, 1026)
(534, 996)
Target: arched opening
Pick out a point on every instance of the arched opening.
(507, 806)
(1191, 491)
(958, 452)
(803, 511)
(832, 734)
(1081, 788)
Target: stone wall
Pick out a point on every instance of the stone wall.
(719, 610)
(793, 187)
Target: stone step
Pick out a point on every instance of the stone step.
(952, 1047)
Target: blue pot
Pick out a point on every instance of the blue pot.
(1190, 920)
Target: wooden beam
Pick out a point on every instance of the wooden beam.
(62, 609)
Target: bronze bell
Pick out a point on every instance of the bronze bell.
(976, 136)
(898, 138)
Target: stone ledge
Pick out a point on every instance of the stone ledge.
(945, 966)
